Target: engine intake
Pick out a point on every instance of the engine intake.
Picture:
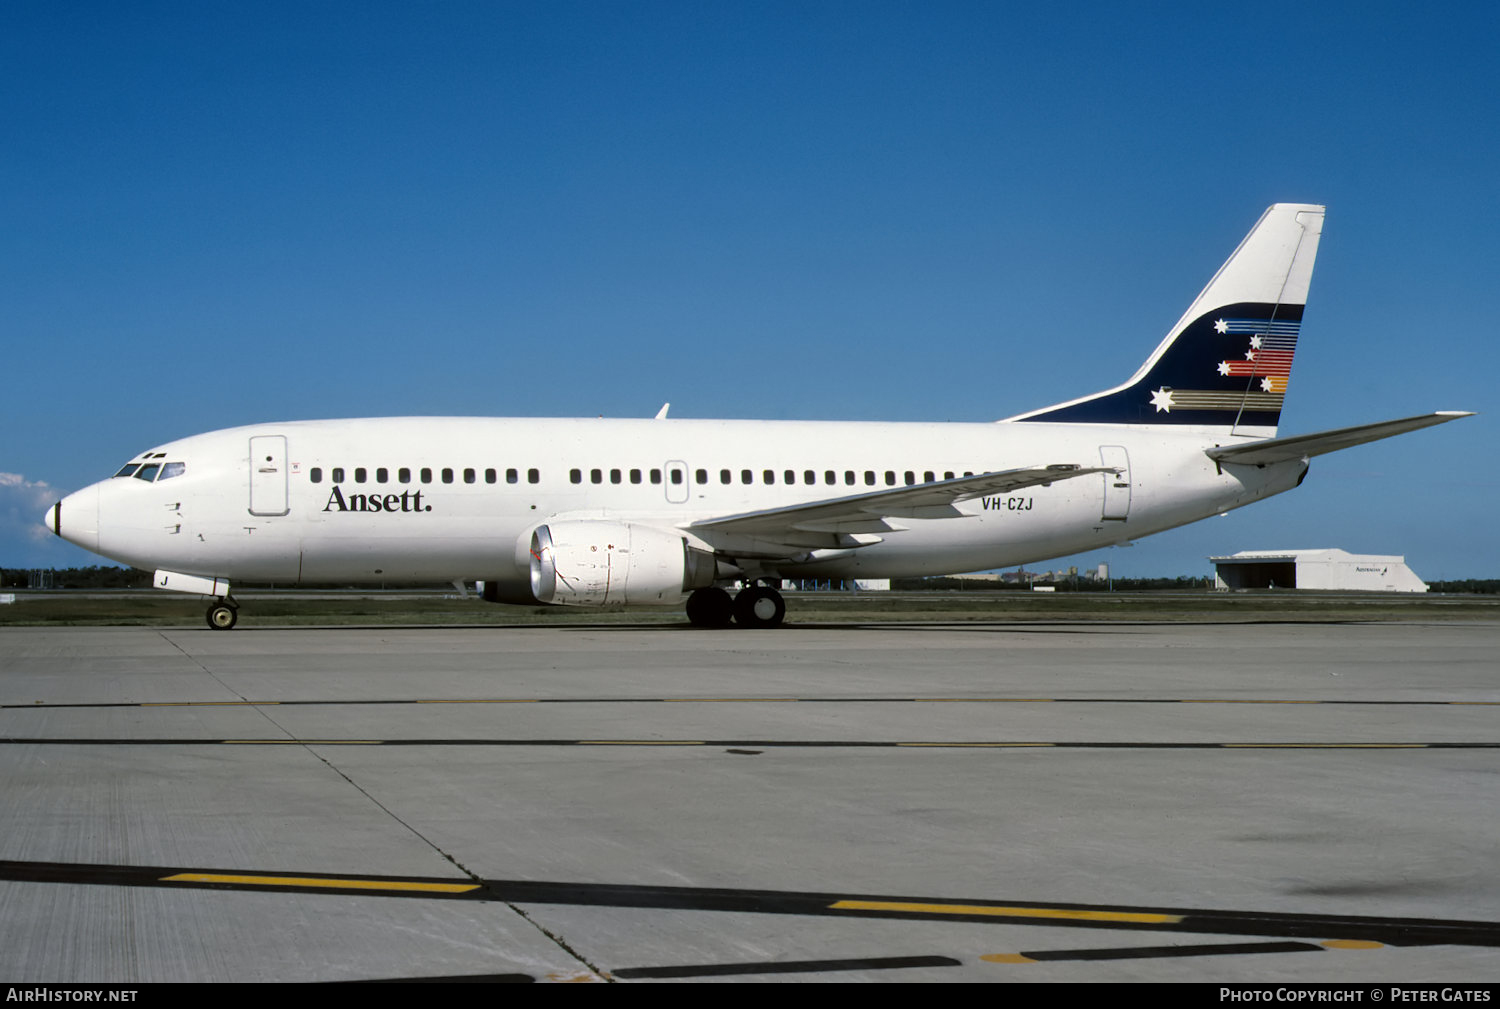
(598, 563)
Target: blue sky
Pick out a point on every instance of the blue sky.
(218, 214)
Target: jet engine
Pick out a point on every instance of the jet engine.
(601, 563)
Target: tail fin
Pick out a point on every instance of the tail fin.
(1228, 360)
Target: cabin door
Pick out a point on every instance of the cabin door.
(676, 482)
(268, 487)
(1116, 485)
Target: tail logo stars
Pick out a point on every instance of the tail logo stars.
(1269, 357)
(1254, 380)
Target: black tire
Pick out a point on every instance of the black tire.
(758, 606)
(222, 617)
(711, 607)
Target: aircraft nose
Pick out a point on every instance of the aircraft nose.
(76, 518)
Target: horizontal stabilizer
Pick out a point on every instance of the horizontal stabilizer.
(928, 500)
(1305, 446)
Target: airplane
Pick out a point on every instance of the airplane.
(713, 513)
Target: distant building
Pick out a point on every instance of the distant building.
(1328, 569)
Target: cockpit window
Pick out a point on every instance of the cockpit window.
(127, 469)
(172, 469)
(148, 472)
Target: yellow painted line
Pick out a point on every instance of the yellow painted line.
(332, 884)
(992, 745)
(1055, 913)
(1323, 745)
(641, 742)
(483, 700)
(1006, 958)
(1352, 944)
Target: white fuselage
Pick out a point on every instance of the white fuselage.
(456, 498)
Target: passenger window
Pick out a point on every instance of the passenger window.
(968, 472)
(447, 475)
(533, 476)
(746, 476)
(676, 476)
(490, 476)
(127, 469)
(790, 476)
(512, 476)
(382, 475)
(770, 476)
(911, 478)
(725, 476)
(170, 470)
(635, 476)
(656, 476)
(469, 475)
(338, 474)
(809, 477)
(575, 475)
(404, 475)
(147, 472)
(315, 474)
(615, 476)
(359, 474)
(869, 478)
(948, 474)
(927, 477)
(890, 478)
(702, 476)
(596, 476)
(427, 474)
(849, 477)
(830, 477)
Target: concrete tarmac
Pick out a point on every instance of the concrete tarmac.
(1258, 803)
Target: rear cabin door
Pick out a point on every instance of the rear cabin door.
(1116, 485)
(268, 477)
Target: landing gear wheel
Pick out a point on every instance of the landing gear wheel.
(758, 606)
(711, 607)
(222, 616)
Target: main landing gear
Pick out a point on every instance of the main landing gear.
(753, 606)
(223, 614)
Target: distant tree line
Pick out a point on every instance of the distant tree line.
(1474, 586)
(1182, 583)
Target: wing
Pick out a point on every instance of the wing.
(858, 520)
(1305, 446)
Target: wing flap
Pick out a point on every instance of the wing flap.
(1305, 446)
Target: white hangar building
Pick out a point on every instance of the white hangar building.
(1330, 569)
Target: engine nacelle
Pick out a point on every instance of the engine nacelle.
(600, 563)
